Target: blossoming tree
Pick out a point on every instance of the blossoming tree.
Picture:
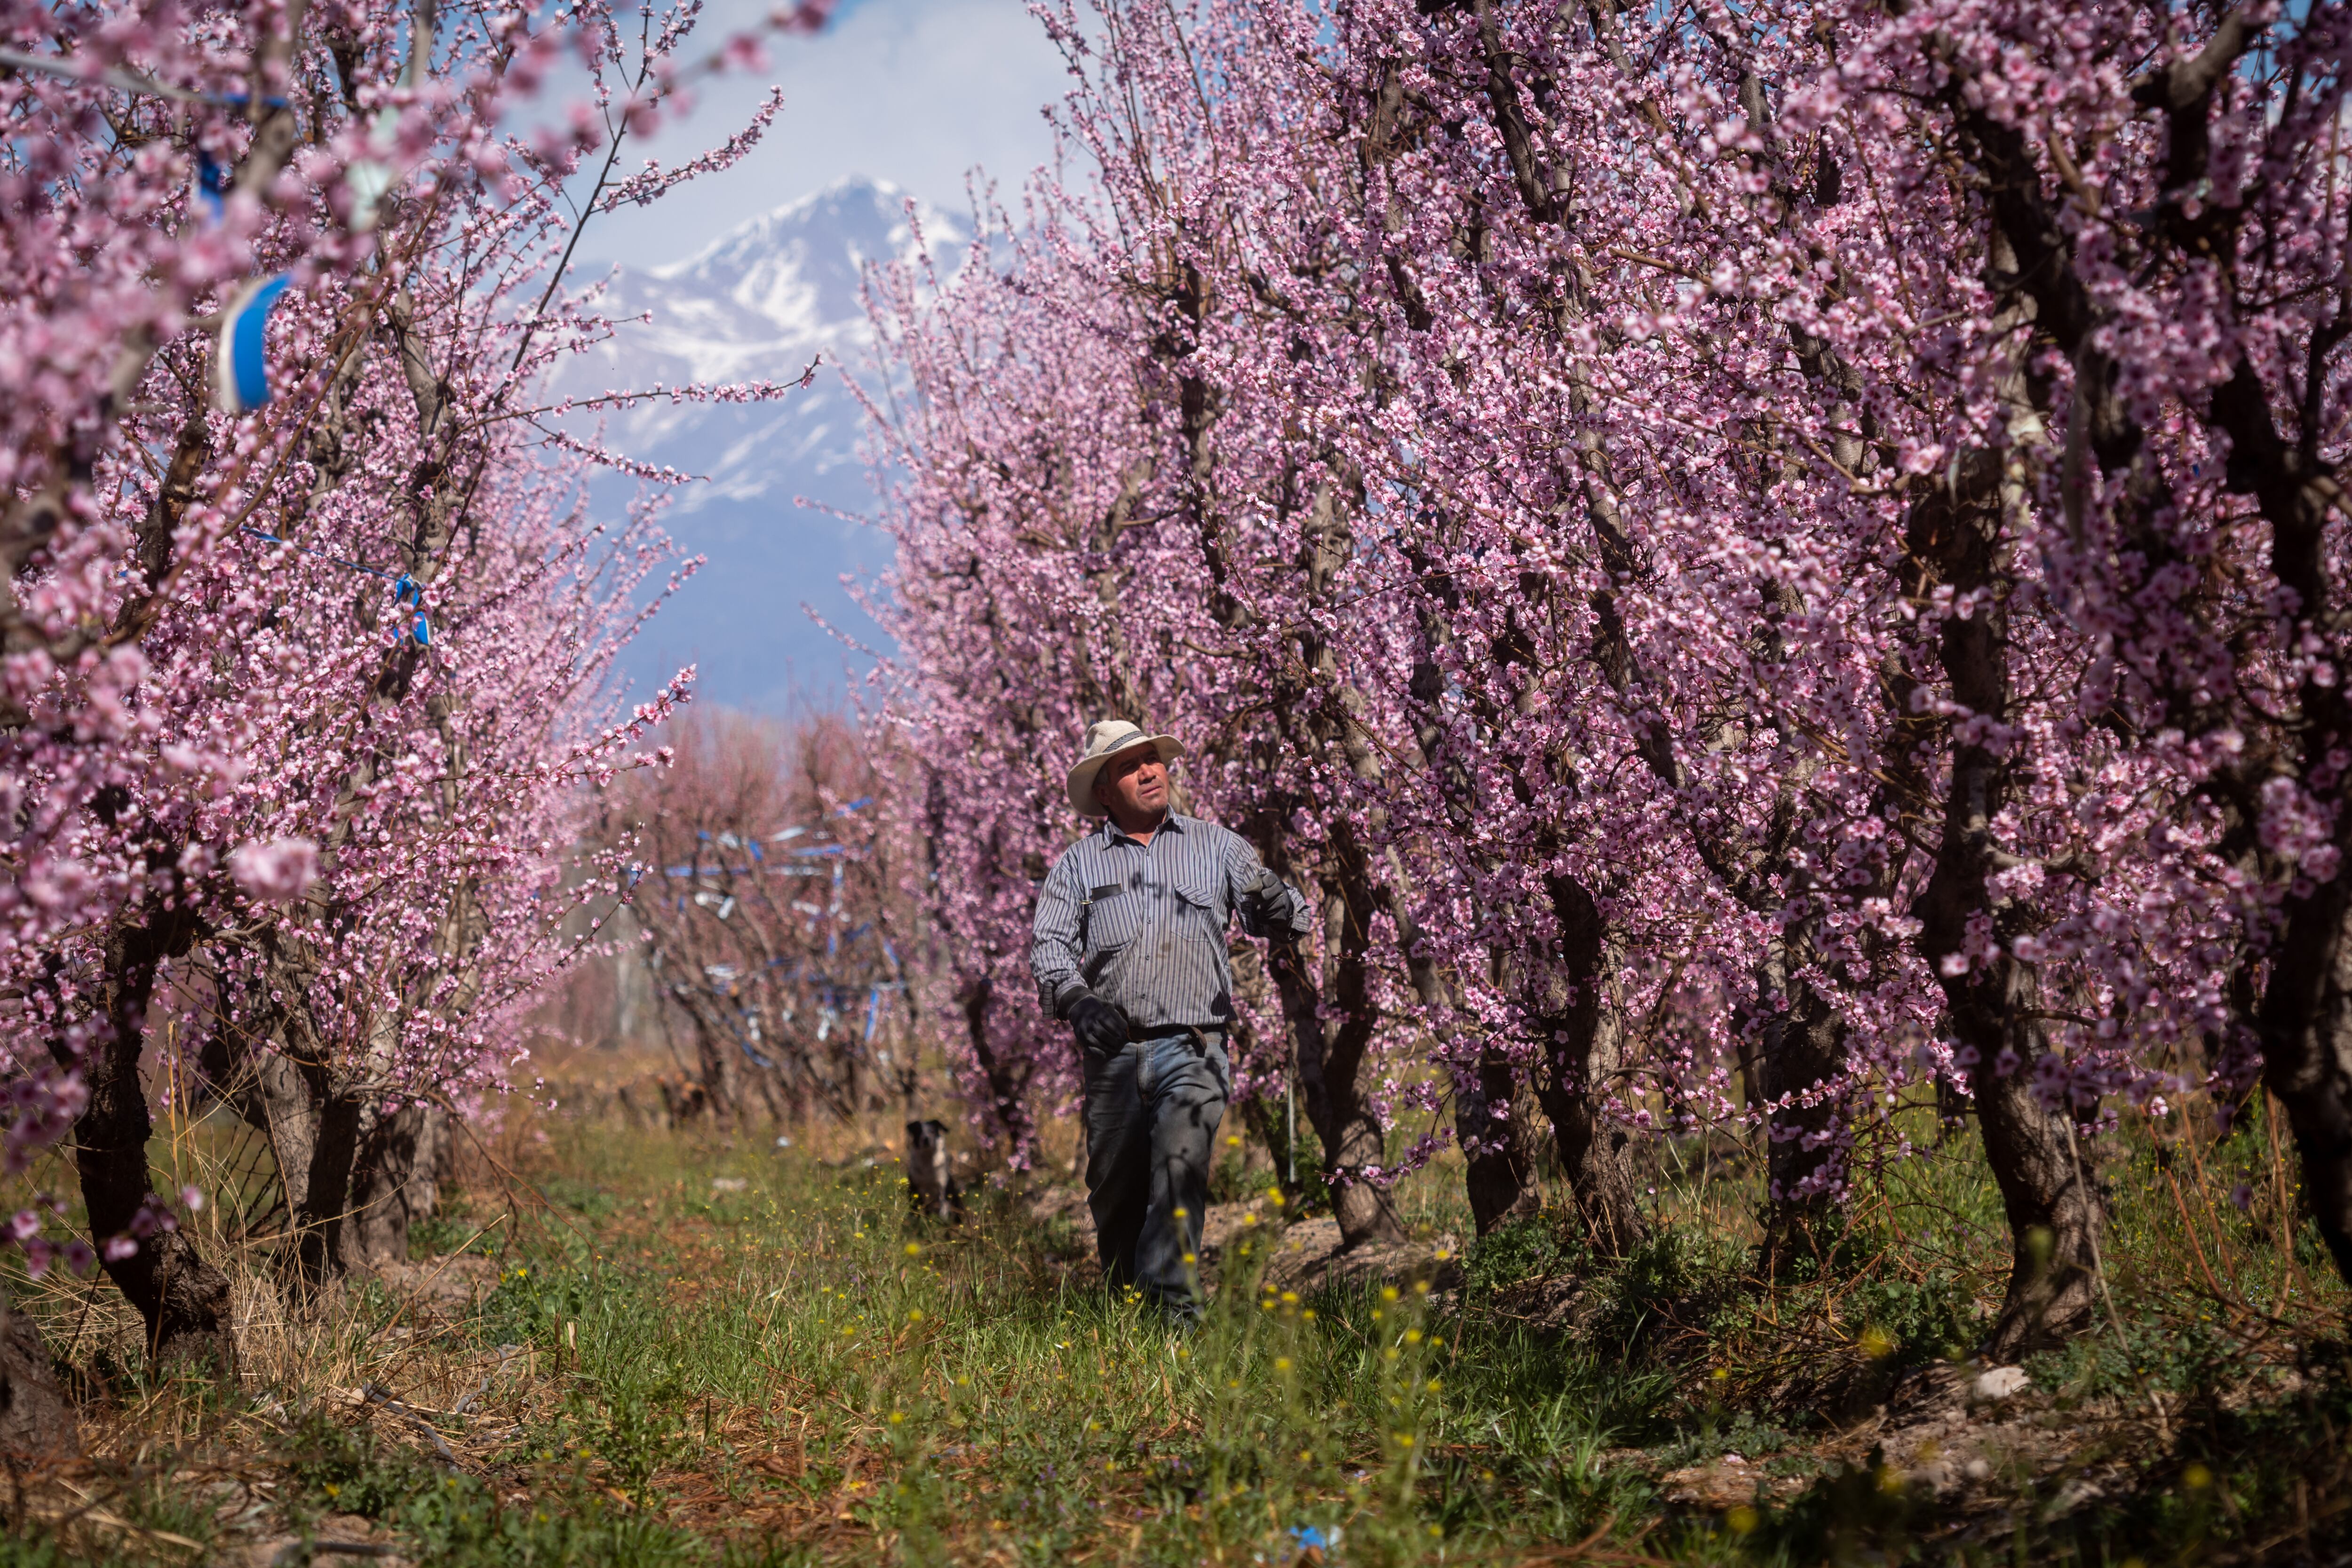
(307, 635)
(1709, 538)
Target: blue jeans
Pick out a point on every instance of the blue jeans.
(1153, 1111)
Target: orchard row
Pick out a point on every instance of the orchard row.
(1763, 564)
(307, 634)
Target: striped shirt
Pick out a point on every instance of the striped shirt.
(1143, 925)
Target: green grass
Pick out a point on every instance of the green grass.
(802, 1372)
(1003, 1396)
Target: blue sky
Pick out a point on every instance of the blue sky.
(917, 92)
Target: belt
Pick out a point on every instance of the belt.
(1138, 1035)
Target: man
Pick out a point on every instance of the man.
(1129, 946)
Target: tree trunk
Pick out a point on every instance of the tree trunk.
(1498, 1145)
(1498, 1149)
(1803, 1043)
(183, 1300)
(2304, 1019)
(313, 1126)
(1332, 1052)
(355, 1177)
(2305, 1023)
(1345, 1126)
(1797, 1051)
(289, 1093)
(1585, 1045)
(714, 1056)
(2055, 1213)
(774, 1094)
(35, 1420)
(1008, 1093)
(1800, 1049)
(1992, 1000)
(392, 1184)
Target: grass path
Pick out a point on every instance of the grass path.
(673, 1351)
(802, 1371)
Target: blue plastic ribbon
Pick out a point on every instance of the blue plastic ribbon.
(241, 367)
(212, 184)
(405, 590)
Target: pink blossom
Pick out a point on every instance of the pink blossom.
(277, 872)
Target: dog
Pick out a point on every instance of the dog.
(683, 1099)
(930, 1182)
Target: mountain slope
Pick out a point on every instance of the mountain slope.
(760, 302)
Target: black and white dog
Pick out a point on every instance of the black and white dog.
(930, 1182)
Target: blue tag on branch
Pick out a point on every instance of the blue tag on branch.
(212, 184)
(241, 365)
(408, 590)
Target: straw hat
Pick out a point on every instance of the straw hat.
(1105, 738)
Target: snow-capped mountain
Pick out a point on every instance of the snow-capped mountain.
(758, 304)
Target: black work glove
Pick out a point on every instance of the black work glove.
(1100, 1026)
(1265, 902)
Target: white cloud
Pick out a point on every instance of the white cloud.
(918, 92)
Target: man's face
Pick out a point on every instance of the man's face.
(1133, 784)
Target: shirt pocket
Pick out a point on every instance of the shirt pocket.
(1114, 919)
(1202, 897)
